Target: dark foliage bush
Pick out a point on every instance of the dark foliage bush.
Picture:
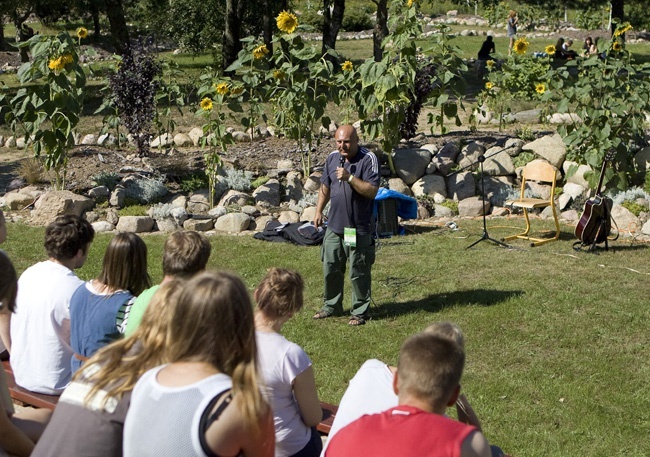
(134, 88)
(356, 19)
(424, 84)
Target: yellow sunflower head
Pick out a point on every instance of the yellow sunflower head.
(410, 3)
(622, 29)
(521, 46)
(260, 51)
(489, 85)
(617, 46)
(237, 90)
(222, 88)
(279, 75)
(66, 59)
(206, 104)
(550, 50)
(347, 66)
(490, 64)
(540, 88)
(82, 32)
(56, 64)
(287, 22)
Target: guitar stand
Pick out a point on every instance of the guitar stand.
(601, 228)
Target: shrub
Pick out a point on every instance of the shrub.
(522, 159)
(451, 204)
(195, 182)
(259, 182)
(356, 18)
(109, 179)
(145, 190)
(133, 208)
(31, 170)
(313, 19)
(634, 207)
(239, 180)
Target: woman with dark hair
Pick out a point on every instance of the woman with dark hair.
(207, 400)
(99, 309)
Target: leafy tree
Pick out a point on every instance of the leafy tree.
(332, 18)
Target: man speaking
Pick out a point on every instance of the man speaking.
(350, 181)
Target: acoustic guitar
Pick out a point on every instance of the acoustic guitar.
(595, 225)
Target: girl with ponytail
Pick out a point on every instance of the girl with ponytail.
(206, 401)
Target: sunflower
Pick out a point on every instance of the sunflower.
(489, 85)
(550, 50)
(260, 51)
(56, 64)
(521, 46)
(287, 22)
(237, 90)
(347, 66)
(222, 88)
(82, 32)
(66, 59)
(410, 3)
(206, 104)
(621, 30)
(540, 88)
(617, 46)
(490, 64)
(279, 75)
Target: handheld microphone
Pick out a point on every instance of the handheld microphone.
(341, 163)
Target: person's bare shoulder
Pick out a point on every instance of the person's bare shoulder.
(475, 445)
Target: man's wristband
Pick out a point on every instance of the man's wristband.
(350, 178)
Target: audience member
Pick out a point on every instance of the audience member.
(99, 309)
(587, 47)
(559, 48)
(40, 329)
(569, 54)
(486, 48)
(511, 28)
(3, 227)
(207, 400)
(288, 376)
(18, 432)
(426, 381)
(185, 253)
(89, 418)
(371, 389)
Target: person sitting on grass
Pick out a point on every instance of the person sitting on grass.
(18, 432)
(89, 418)
(486, 48)
(40, 328)
(99, 309)
(185, 253)
(207, 400)
(288, 376)
(427, 381)
(371, 389)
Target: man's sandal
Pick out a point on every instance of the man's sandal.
(356, 321)
(322, 315)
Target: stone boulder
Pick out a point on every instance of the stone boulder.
(18, 200)
(199, 202)
(182, 140)
(293, 189)
(57, 203)
(578, 177)
(398, 185)
(312, 184)
(268, 194)
(233, 223)
(410, 164)
(625, 220)
(195, 135)
(445, 160)
(473, 207)
(549, 147)
(103, 226)
(234, 198)
(162, 141)
(430, 185)
(461, 185)
(135, 224)
(199, 225)
(498, 162)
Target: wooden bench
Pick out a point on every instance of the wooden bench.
(329, 413)
(25, 397)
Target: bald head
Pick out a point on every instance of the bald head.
(347, 141)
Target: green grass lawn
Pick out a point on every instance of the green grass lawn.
(557, 340)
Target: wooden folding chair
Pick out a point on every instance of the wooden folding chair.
(543, 172)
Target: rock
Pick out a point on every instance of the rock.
(468, 157)
(112, 216)
(570, 215)
(499, 211)
(284, 166)
(117, 197)
(234, 198)
(91, 216)
(288, 217)
(498, 189)
(164, 140)
(573, 190)
(182, 140)
(260, 223)
(642, 159)
(11, 142)
(89, 140)
(410, 164)
(312, 184)
(308, 213)
(57, 203)
(18, 200)
(563, 118)
(550, 147)
(199, 202)
(217, 212)
(445, 160)
(398, 185)
(473, 207)
(241, 137)
(166, 225)
(461, 185)
(423, 212)
(514, 146)
(135, 224)
(103, 226)
(195, 135)
(498, 163)
(646, 228)
(199, 225)
(251, 210)
(563, 201)
(107, 140)
(430, 185)
(578, 176)
(100, 193)
(293, 187)
(233, 223)
(268, 194)
(483, 114)
(625, 220)
(531, 116)
(443, 211)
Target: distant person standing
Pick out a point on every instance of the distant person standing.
(512, 29)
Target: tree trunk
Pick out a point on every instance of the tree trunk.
(267, 25)
(97, 29)
(381, 29)
(3, 42)
(232, 32)
(119, 30)
(332, 19)
(618, 13)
